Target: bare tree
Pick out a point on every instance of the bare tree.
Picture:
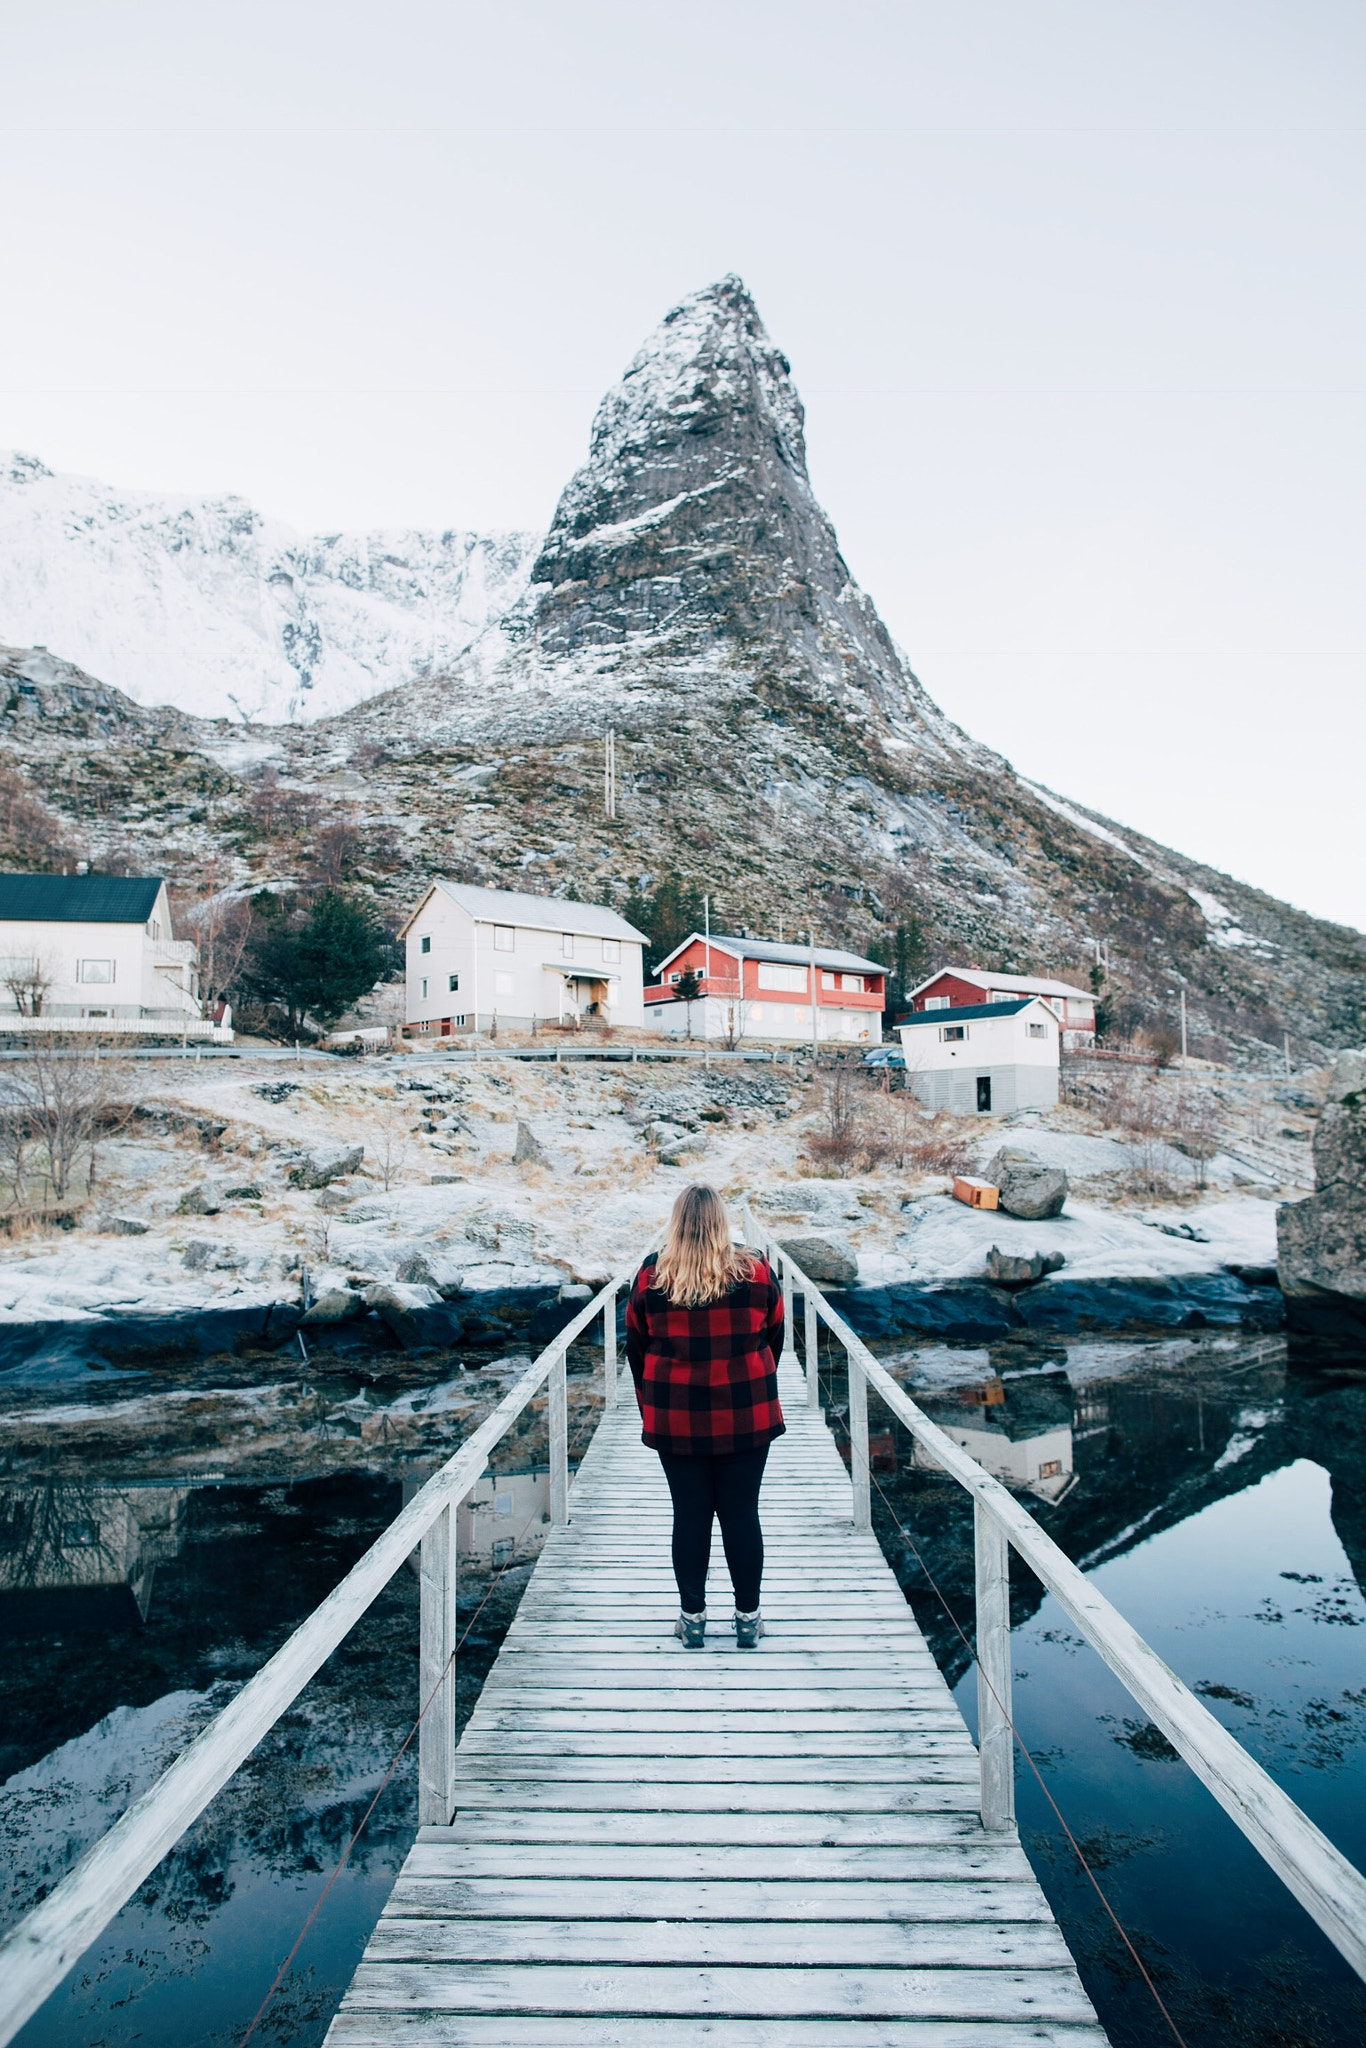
(389, 1145)
(219, 922)
(29, 981)
(334, 848)
(1197, 1129)
(64, 1099)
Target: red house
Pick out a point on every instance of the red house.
(753, 989)
(956, 988)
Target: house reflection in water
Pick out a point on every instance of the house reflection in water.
(1019, 1429)
(505, 1515)
(76, 1556)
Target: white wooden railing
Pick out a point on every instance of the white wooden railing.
(38, 1952)
(1331, 1890)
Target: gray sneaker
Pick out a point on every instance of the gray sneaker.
(748, 1629)
(691, 1630)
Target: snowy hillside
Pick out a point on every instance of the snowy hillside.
(204, 604)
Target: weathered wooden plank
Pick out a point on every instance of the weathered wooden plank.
(811, 1944)
(837, 1724)
(743, 1797)
(630, 2030)
(752, 1898)
(900, 1745)
(573, 1767)
(782, 1993)
(785, 1835)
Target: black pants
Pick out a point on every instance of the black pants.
(728, 1488)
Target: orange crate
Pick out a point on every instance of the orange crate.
(978, 1194)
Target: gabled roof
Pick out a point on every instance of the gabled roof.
(532, 913)
(767, 949)
(968, 1011)
(1024, 984)
(78, 899)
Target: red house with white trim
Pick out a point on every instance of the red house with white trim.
(956, 988)
(755, 989)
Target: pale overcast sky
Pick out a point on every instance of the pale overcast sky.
(1073, 292)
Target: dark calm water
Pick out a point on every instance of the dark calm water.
(1218, 1497)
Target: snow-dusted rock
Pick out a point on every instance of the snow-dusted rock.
(528, 1151)
(829, 1261)
(1015, 1269)
(335, 1305)
(1321, 1242)
(1029, 1189)
(319, 1168)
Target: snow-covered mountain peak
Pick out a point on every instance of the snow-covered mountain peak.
(208, 605)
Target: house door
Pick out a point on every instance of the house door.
(984, 1092)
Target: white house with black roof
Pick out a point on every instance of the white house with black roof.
(477, 958)
(984, 1059)
(97, 953)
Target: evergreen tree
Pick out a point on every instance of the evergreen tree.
(666, 915)
(314, 961)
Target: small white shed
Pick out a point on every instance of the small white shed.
(983, 1059)
(476, 956)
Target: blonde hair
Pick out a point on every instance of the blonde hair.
(697, 1262)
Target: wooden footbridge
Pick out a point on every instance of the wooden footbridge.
(637, 1844)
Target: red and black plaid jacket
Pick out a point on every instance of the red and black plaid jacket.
(707, 1378)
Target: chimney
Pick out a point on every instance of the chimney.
(82, 867)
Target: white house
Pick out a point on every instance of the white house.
(96, 952)
(949, 987)
(480, 956)
(752, 988)
(987, 1058)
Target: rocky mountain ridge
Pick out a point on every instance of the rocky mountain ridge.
(774, 747)
(204, 604)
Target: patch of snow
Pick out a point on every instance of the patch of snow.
(1223, 927)
(1083, 823)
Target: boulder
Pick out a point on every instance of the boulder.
(829, 1261)
(200, 1255)
(333, 1200)
(1028, 1188)
(316, 1169)
(402, 1309)
(415, 1269)
(1011, 1269)
(1321, 1242)
(335, 1305)
(127, 1226)
(528, 1151)
(200, 1201)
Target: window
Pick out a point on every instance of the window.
(938, 1002)
(1050, 1468)
(675, 975)
(94, 970)
(504, 938)
(459, 1023)
(502, 984)
(828, 981)
(952, 1031)
(153, 928)
(424, 989)
(773, 975)
(567, 945)
(984, 1093)
(611, 952)
(852, 983)
(80, 1535)
(424, 944)
(452, 982)
(1038, 1031)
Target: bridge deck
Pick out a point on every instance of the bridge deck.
(778, 1849)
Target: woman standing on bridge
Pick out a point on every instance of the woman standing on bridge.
(704, 1333)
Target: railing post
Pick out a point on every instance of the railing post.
(789, 1334)
(995, 1740)
(858, 1442)
(609, 1349)
(813, 1352)
(559, 1444)
(436, 1666)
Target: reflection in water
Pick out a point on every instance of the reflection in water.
(80, 1556)
(1020, 1430)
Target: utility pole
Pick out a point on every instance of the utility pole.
(1183, 1027)
(815, 997)
(1287, 1055)
(609, 773)
(706, 984)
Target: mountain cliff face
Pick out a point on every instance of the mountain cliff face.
(203, 604)
(773, 747)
